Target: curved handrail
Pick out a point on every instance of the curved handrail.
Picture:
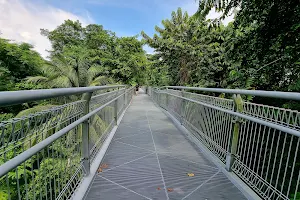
(261, 93)
(23, 96)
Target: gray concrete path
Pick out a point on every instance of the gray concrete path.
(149, 158)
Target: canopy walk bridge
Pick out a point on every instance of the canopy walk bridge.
(173, 142)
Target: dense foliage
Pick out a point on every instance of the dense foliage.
(192, 53)
(259, 50)
(98, 52)
(81, 56)
(17, 61)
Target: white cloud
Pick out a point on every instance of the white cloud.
(148, 49)
(213, 15)
(21, 21)
(191, 6)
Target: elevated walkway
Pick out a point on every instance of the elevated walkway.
(149, 158)
(176, 143)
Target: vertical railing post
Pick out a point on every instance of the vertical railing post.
(116, 109)
(125, 98)
(182, 106)
(234, 137)
(167, 100)
(85, 135)
(159, 98)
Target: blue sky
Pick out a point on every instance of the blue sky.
(125, 17)
(21, 20)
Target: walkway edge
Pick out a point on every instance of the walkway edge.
(244, 188)
(84, 186)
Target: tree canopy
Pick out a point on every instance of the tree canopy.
(17, 61)
(118, 58)
(80, 56)
(192, 52)
(258, 50)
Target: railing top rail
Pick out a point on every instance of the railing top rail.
(261, 93)
(18, 97)
(106, 93)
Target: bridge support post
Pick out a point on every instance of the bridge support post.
(85, 135)
(233, 140)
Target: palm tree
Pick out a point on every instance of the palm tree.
(175, 31)
(73, 68)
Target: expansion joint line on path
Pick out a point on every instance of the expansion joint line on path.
(201, 185)
(117, 140)
(162, 176)
(128, 162)
(174, 145)
(134, 146)
(128, 136)
(126, 124)
(125, 187)
(199, 164)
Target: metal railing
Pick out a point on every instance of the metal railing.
(259, 143)
(46, 154)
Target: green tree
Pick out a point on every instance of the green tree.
(192, 53)
(130, 61)
(264, 41)
(156, 72)
(122, 58)
(17, 61)
(67, 34)
(73, 69)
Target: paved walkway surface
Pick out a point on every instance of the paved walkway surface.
(149, 158)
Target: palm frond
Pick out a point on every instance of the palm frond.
(36, 79)
(98, 123)
(82, 68)
(61, 82)
(94, 134)
(101, 80)
(63, 68)
(93, 72)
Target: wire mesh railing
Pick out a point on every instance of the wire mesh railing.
(26, 131)
(259, 143)
(45, 155)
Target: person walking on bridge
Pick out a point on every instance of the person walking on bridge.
(137, 89)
